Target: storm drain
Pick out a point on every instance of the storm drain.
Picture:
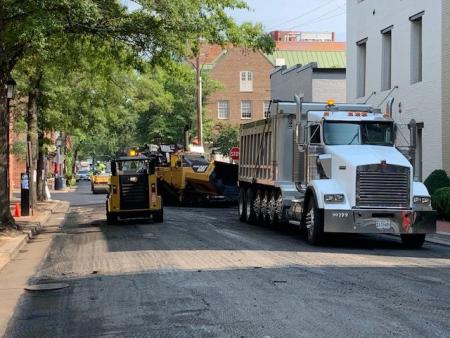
(46, 287)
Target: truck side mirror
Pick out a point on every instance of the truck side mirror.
(394, 137)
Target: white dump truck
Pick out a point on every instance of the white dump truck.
(331, 168)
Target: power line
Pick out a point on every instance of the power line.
(302, 15)
(323, 19)
(317, 19)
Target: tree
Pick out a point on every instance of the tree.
(161, 30)
(227, 137)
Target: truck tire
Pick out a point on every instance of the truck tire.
(158, 217)
(279, 208)
(257, 206)
(313, 222)
(265, 207)
(249, 207)
(242, 204)
(271, 209)
(111, 219)
(413, 241)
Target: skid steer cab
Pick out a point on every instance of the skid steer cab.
(133, 192)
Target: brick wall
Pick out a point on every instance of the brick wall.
(16, 165)
(227, 71)
(446, 86)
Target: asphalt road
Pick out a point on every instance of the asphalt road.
(202, 273)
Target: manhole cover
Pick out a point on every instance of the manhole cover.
(47, 287)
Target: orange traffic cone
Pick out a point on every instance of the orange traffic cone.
(17, 210)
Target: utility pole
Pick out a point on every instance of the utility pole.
(199, 101)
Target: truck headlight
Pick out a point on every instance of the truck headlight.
(334, 198)
(424, 200)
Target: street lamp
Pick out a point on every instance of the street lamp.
(11, 88)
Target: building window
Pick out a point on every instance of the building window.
(223, 110)
(361, 47)
(416, 47)
(386, 58)
(266, 106)
(246, 109)
(246, 81)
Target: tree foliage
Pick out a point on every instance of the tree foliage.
(225, 138)
(86, 61)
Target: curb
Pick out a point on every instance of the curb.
(438, 239)
(10, 250)
(29, 230)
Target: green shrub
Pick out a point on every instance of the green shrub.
(441, 203)
(71, 182)
(437, 179)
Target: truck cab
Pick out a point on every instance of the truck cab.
(332, 168)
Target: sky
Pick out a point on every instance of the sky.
(302, 15)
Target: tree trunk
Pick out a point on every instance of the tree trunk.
(74, 161)
(41, 170)
(6, 219)
(32, 134)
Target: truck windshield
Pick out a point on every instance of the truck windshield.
(357, 133)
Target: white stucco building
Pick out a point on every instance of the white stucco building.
(396, 49)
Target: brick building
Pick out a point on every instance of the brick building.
(245, 91)
(17, 165)
(303, 36)
(245, 75)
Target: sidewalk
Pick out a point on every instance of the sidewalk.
(15, 273)
(442, 235)
(11, 243)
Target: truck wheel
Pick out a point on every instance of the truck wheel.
(249, 210)
(257, 206)
(242, 205)
(111, 218)
(158, 217)
(271, 209)
(279, 207)
(413, 241)
(313, 222)
(265, 207)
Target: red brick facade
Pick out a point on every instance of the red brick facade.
(16, 165)
(228, 69)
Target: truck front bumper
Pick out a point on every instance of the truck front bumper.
(380, 221)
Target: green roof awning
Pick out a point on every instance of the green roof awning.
(324, 59)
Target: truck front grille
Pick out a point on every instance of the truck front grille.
(134, 192)
(382, 186)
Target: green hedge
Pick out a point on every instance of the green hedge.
(437, 179)
(441, 203)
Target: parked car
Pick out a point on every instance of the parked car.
(83, 175)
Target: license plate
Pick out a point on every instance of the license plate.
(383, 224)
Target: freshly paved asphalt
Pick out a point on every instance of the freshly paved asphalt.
(202, 273)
